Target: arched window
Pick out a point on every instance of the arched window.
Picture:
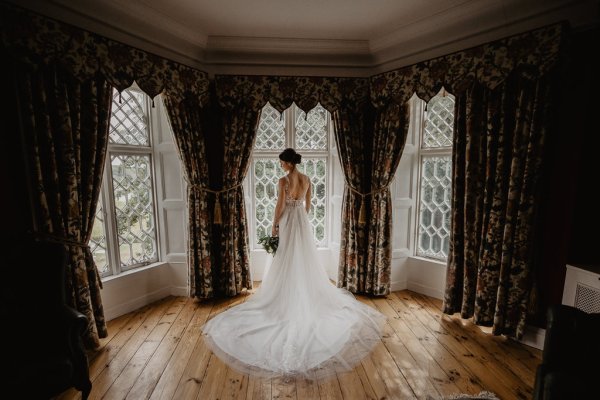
(435, 178)
(125, 231)
(309, 134)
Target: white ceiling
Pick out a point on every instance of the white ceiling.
(343, 37)
(307, 19)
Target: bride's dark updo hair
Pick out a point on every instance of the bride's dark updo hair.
(290, 155)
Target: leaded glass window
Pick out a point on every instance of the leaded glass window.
(134, 208)
(124, 234)
(271, 130)
(267, 172)
(435, 188)
(98, 241)
(308, 133)
(129, 118)
(434, 215)
(439, 121)
(311, 129)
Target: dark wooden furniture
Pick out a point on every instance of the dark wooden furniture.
(570, 366)
(41, 347)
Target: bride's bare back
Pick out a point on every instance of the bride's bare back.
(294, 186)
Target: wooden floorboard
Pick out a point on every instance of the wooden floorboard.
(157, 352)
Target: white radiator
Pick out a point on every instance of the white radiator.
(587, 298)
(582, 288)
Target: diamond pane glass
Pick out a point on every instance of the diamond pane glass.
(134, 208)
(439, 121)
(316, 169)
(311, 129)
(434, 207)
(267, 172)
(98, 241)
(129, 118)
(270, 134)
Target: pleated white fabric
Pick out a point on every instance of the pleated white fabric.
(297, 322)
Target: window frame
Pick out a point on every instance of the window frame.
(107, 194)
(291, 114)
(421, 153)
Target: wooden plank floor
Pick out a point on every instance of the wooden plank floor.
(157, 352)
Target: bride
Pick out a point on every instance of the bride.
(297, 322)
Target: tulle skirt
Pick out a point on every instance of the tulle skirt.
(297, 323)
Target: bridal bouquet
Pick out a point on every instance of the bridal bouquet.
(269, 243)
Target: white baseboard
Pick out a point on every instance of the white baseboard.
(135, 304)
(398, 285)
(180, 291)
(430, 291)
(534, 337)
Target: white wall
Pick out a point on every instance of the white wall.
(134, 289)
(403, 190)
(336, 196)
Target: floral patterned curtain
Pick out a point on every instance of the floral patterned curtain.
(497, 159)
(65, 128)
(187, 124)
(502, 99)
(37, 40)
(63, 81)
(353, 133)
(370, 148)
(281, 91)
(239, 131)
(389, 137)
(530, 54)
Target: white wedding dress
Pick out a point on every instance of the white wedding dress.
(297, 322)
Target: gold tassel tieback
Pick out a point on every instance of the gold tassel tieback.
(217, 214)
(218, 220)
(362, 214)
(532, 306)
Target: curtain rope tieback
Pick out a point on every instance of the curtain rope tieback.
(362, 214)
(49, 237)
(217, 216)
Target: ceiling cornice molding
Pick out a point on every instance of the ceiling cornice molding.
(462, 16)
(239, 44)
(330, 57)
(306, 69)
(137, 16)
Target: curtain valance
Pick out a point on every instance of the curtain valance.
(281, 91)
(531, 54)
(37, 40)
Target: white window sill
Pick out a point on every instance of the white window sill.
(429, 260)
(134, 271)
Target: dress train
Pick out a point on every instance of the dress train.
(297, 323)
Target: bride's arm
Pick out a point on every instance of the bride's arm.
(307, 203)
(278, 208)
